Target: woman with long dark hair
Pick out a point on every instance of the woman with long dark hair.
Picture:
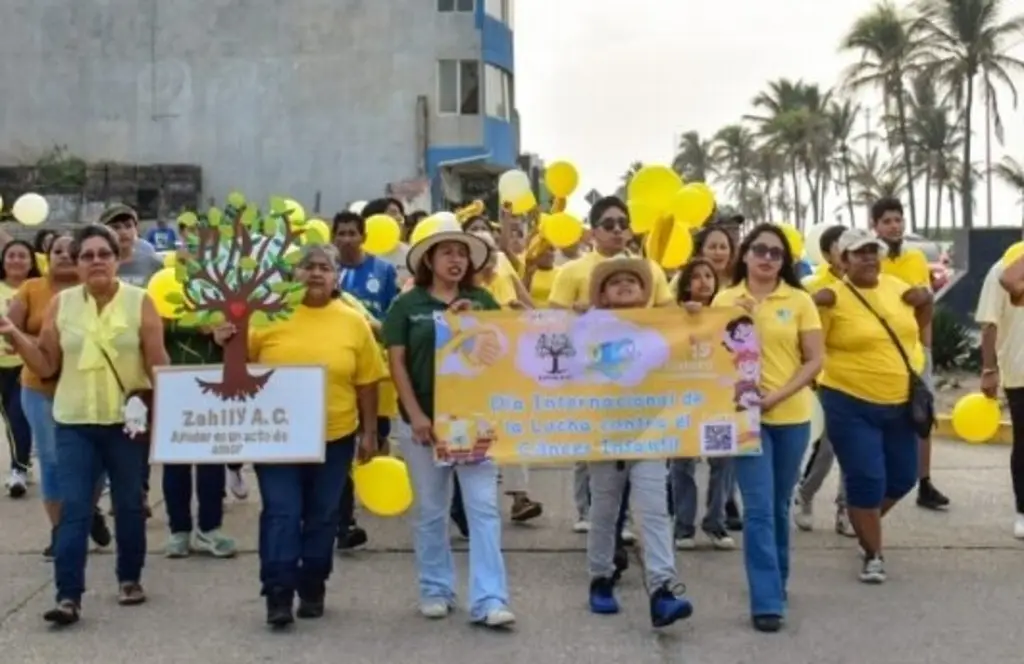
(791, 350)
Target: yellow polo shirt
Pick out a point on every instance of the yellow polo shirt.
(572, 283)
(780, 319)
(822, 277)
(994, 308)
(911, 266)
(860, 358)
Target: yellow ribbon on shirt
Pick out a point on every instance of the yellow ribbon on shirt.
(99, 330)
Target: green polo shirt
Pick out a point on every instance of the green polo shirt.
(410, 324)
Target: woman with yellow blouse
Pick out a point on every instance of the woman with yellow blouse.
(299, 519)
(17, 264)
(540, 271)
(865, 389)
(100, 340)
(786, 321)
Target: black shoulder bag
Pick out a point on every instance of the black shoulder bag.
(920, 400)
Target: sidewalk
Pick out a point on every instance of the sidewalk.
(954, 593)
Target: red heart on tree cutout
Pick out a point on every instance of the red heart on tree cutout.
(237, 309)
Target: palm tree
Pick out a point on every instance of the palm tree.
(842, 117)
(769, 167)
(693, 159)
(1011, 172)
(633, 169)
(875, 176)
(734, 153)
(970, 38)
(891, 47)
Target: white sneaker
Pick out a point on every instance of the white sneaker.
(236, 484)
(1018, 527)
(628, 536)
(499, 618)
(581, 526)
(16, 484)
(873, 571)
(435, 609)
(804, 516)
(722, 541)
(686, 543)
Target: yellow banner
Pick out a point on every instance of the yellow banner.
(550, 386)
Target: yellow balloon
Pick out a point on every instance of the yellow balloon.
(296, 213)
(655, 185)
(383, 486)
(382, 235)
(167, 293)
(316, 231)
(424, 229)
(642, 216)
(525, 203)
(562, 230)
(30, 209)
(678, 249)
(561, 179)
(170, 259)
(794, 239)
(693, 204)
(1015, 251)
(976, 418)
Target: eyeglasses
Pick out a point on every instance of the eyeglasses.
(771, 253)
(103, 255)
(611, 223)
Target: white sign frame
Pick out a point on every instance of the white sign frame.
(179, 405)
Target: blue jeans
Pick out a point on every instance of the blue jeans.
(432, 488)
(38, 409)
(209, 486)
(299, 518)
(766, 485)
(684, 495)
(83, 452)
(19, 435)
(876, 447)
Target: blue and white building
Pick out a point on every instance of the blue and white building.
(303, 98)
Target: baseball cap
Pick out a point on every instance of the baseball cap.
(118, 212)
(855, 239)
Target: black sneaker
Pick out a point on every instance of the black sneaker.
(352, 538)
(279, 608)
(99, 532)
(311, 600)
(929, 497)
(767, 623)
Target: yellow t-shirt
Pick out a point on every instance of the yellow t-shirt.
(860, 358)
(334, 336)
(572, 283)
(822, 277)
(501, 288)
(540, 286)
(780, 319)
(8, 358)
(911, 266)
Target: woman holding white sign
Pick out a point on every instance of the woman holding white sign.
(444, 264)
(300, 515)
(100, 340)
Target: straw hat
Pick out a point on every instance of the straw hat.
(449, 230)
(605, 270)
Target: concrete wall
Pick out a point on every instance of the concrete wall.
(267, 96)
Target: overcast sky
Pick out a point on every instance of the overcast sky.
(603, 83)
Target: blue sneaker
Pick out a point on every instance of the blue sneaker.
(668, 606)
(602, 597)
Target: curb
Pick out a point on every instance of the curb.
(944, 429)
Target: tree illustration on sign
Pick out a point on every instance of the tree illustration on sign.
(555, 346)
(236, 267)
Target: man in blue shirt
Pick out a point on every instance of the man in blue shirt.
(374, 282)
(162, 236)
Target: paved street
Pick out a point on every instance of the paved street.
(954, 593)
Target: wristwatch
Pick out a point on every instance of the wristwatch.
(992, 370)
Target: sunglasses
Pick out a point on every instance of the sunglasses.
(611, 223)
(103, 255)
(771, 253)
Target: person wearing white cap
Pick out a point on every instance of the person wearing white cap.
(444, 266)
(871, 389)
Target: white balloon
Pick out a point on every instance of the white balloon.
(513, 184)
(812, 243)
(31, 209)
(446, 217)
(357, 207)
(817, 420)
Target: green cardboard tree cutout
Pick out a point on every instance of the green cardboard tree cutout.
(238, 270)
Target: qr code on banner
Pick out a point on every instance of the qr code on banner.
(717, 438)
